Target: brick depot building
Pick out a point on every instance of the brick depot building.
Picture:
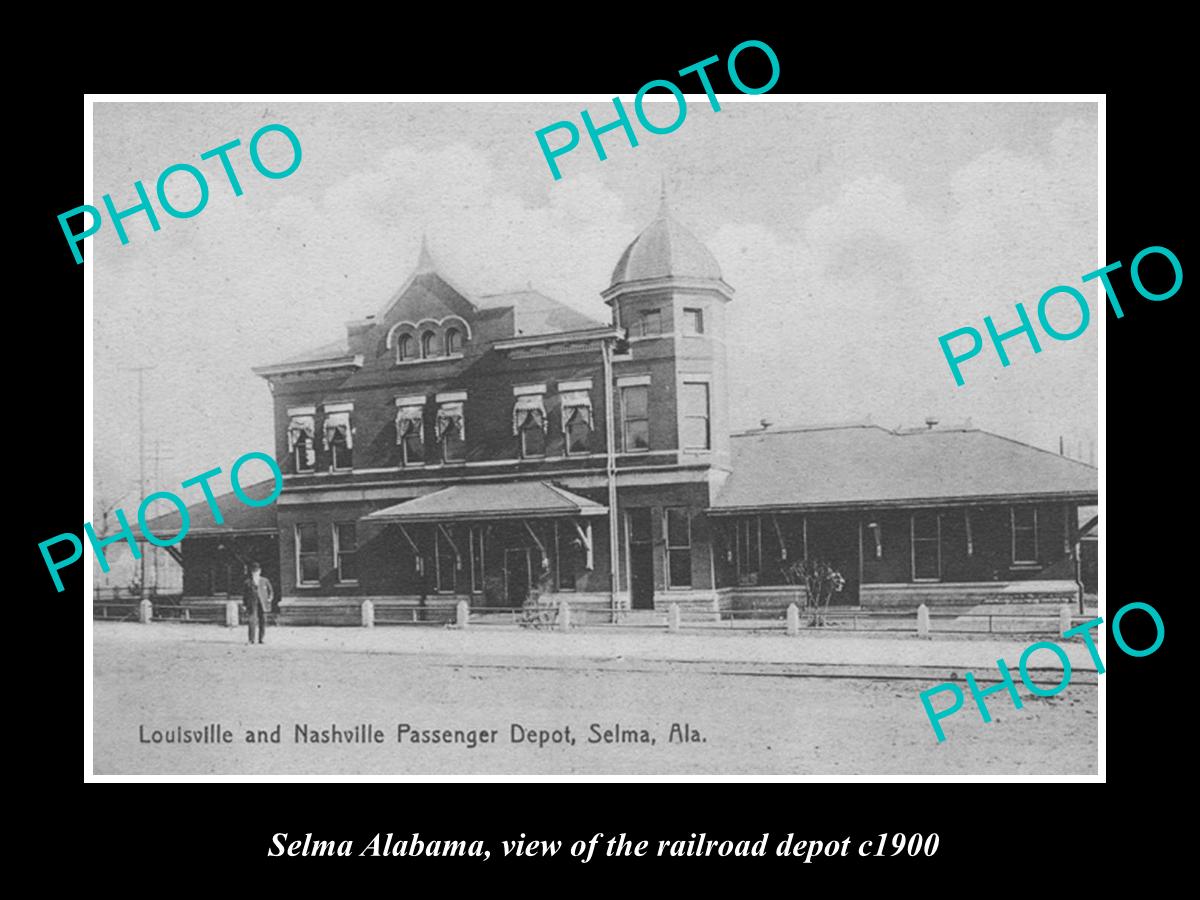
(482, 447)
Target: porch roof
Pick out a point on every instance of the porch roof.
(462, 502)
(866, 465)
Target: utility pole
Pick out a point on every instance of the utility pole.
(610, 456)
(141, 372)
(159, 457)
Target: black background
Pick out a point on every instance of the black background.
(1000, 833)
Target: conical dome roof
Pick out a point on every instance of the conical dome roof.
(665, 249)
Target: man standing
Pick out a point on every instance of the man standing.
(257, 595)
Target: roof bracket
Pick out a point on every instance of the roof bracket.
(415, 549)
(536, 540)
(453, 546)
(779, 536)
(585, 535)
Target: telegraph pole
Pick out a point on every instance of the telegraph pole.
(141, 372)
(159, 457)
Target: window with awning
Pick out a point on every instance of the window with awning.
(451, 429)
(530, 423)
(301, 434)
(450, 421)
(410, 433)
(577, 420)
(337, 429)
(410, 420)
(529, 411)
(339, 439)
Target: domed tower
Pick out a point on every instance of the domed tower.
(668, 293)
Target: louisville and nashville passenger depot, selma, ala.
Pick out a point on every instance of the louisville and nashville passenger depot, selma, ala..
(482, 448)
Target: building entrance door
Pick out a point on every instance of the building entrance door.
(641, 559)
(516, 575)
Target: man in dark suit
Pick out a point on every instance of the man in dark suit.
(257, 595)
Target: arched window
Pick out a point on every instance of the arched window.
(427, 344)
(453, 341)
(404, 348)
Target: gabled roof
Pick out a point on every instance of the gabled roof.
(238, 518)
(533, 314)
(514, 500)
(866, 465)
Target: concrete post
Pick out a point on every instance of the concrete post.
(1064, 619)
(673, 619)
(368, 614)
(793, 620)
(145, 612)
(564, 615)
(462, 614)
(231, 613)
(922, 621)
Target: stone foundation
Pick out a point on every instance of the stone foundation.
(910, 596)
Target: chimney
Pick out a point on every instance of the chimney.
(930, 421)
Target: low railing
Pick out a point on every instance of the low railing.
(207, 614)
(561, 616)
(406, 614)
(115, 611)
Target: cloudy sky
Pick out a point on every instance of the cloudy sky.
(853, 234)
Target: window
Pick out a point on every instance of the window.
(926, 546)
(568, 552)
(1024, 535)
(339, 439)
(410, 434)
(477, 558)
(648, 323)
(345, 551)
(445, 560)
(308, 569)
(679, 548)
(302, 447)
(428, 347)
(635, 415)
(533, 441)
(529, 423)
(695, 416)
(453, 342)
(577, 421)
(404, 348)
(451, 431)
(693, 321)
(747, 545)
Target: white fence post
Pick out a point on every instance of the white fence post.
(231, 613)
(368, 614)
(1064, 619)
(462, 614)
(922, 621)
(145, 612)
(673, 617)
(564, 615)
(793, 620)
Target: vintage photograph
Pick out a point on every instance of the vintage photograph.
(657, 468)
